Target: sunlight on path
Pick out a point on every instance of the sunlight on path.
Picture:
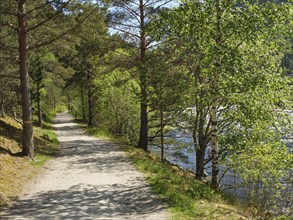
(90, 179)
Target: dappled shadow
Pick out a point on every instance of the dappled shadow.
(90, 179)
(87, 202)
(10, 132)
(94, 155)
(15, 134)
(7, 151)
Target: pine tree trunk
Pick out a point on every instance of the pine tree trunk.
(28, 143)
(82, 103)
(162, 133)
(143, 134)
(143, 137)
(2, 106)
(40, 120)
(90, 108)
(90, 101)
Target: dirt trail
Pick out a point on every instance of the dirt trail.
(90, 179)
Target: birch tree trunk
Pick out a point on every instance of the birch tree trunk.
(214, 106)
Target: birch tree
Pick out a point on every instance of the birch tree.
(212, 36)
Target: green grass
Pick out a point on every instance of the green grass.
(187, 197)
(98, 133)
(47, 145)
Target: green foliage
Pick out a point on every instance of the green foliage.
(188, 198)
(168, 60)
(262, 163)
(118, 106)
(241, 48)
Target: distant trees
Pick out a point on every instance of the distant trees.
(84, 60)
(130, 19)
(26, 27)
(139, 68)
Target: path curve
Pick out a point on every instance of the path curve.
(90, 179)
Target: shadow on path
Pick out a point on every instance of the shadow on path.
(86, 202)
(89, 179)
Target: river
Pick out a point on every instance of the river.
(179, 150)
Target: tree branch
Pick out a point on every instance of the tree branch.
(49, 18)
(8, 76)
(16, 119)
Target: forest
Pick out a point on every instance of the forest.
(205, 85)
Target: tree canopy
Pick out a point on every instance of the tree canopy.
(218, 71)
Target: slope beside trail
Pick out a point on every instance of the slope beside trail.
(89, 179)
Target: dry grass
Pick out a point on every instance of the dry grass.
(15, 170)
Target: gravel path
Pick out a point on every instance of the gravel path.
(90, 179)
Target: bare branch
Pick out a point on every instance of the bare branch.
(125, 24)
(130, 10)
(124, 31)
(16, 119)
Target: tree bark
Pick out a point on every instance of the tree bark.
(82, 103)
(200, 155)
(214, 119)
(200, 136)
(40, 120)
(90, 101)
(143, 134)
(90, 108)
(162, 133)
(200, 147)
(143, 137)
(2, 106)
(28, 142)
(214, 137)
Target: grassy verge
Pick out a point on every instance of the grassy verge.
(46, 144)
(187, 197)
(15, 170)
(98, 133)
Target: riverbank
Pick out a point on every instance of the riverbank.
(187, 197)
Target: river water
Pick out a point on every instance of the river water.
(179, 150)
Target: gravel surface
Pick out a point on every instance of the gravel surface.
(89, 179)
